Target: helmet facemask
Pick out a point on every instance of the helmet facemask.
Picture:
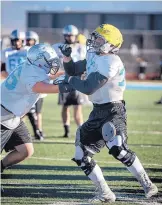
(99, 45)
(53, 65)
(30, 42)
(17, 43)
(70, 39)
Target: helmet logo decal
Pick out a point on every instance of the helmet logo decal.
(105, 30)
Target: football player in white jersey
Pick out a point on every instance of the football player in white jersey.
(74, 98)
(20, 91)
(106, 125)
(11, 57)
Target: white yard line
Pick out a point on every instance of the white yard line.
(145, 132)
(144, 113)
(73, 141)
(123, 200)
(143, 122)
(103, 162)
(148, 132)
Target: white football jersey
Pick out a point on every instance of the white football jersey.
(12, 57)
(111, 67)
(16, 90)
(78, 51)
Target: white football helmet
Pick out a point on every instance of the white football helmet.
(32, 35)
(70, 30)
(15, 36)
(45, 57)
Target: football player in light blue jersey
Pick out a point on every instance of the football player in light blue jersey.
(11, 57)
(107, 123)
(20, 91)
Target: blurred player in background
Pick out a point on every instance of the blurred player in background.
(142, 66)
(10, 57)
(20, 91)
(159, 102)
(35, 115)
(31, 38)
(107, 123)
(73, 98)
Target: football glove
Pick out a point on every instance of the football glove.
(61, 79)
(65, 50)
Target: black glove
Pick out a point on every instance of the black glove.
(65, 50)
(65, 87)
(61, 79)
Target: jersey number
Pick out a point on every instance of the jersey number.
(14, 62)
(122, 74)
(13, 78)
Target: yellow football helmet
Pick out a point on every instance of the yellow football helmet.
(111, 39)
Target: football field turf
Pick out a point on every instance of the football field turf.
(50, 177)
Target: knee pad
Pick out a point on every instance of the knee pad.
(108, 131)
(125, 156)
(120, 151)
(83, 160)
(86, 164)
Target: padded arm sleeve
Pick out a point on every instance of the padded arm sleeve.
(90, 85)
(75, 69)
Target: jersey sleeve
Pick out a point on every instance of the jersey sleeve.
(94, 81)
(108, 66)
(34, 77)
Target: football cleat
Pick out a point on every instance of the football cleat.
(103, 194)
(150, 189)
(38, 136)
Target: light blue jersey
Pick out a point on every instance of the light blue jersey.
(12, 57)
(16, 90)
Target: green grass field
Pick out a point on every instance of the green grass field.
(50, 177)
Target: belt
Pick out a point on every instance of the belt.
(109, 103)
